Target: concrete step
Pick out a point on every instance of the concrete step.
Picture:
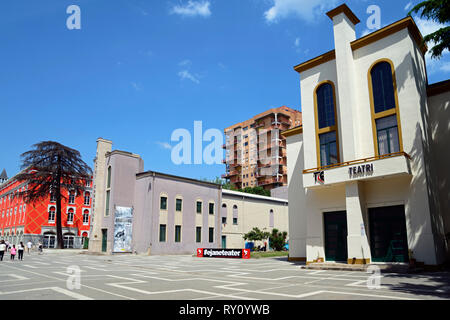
(394, 268)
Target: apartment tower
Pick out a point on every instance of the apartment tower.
(256, 151)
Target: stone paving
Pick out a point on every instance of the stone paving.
(52, 275)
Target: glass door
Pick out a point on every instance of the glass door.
(335, 225)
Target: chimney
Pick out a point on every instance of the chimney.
(344, 22)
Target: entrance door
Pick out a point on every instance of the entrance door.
(335, 224)
(104, 239)
(388, 241)
(49, 241)
(224, 242)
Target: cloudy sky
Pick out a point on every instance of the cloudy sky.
(139, 69)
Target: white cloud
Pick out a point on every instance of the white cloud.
(184, 63)
(408, 6)
(165, 145)
(136, 86)
(297, 42)
(426, 27)
(185, 74)
(307, 10)
(192, 9)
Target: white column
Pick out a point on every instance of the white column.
(357, 242)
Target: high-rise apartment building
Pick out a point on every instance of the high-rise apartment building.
(256, 151)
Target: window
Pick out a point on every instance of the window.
(211, 235)
(178, 204)
(108, 181)
(51, 215)
(86, 217)
(271, 218)
(71, 197)
(235, 221)
(328, 149)
(52, 197)
(384, 107)
(163, 203)
(70, 214)
(88, 183)
(87, 198)
(199, 207)
(162, 233)
(177, 233)
(382, 87)
(107, 203)
(198, 234)
(387, 135)
(224, 220)
(326, 124)
(211, 208)
(235, 215)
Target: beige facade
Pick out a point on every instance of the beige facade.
(98, 201)
(243, 212)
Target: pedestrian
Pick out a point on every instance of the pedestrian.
(2, 249)
(29, 245)
(20, 250)
(7, 245)
(40, 247)
(13, 252)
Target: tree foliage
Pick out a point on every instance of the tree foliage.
(256, 235)
(439, 11)
(51, 167)
(277, 239)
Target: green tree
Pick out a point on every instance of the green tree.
(277, 239)
(256, 190)
(439, 11)
(51, 168)
(256, 235)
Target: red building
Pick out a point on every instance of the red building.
(35, 221)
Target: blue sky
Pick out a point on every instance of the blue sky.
(137, 70)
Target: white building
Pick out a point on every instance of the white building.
(367, 171)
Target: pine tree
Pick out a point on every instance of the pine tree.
(51, 168)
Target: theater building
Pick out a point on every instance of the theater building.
(367, 172)
(36, 221)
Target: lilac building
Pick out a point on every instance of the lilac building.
(150, 212)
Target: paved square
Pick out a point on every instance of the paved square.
(131, 277)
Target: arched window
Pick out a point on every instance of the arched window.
(71, 197)
(51, 214)
(86, 217)
(223, 213)
(235, 215)
(87, 198)
(70, 214)
(271, 218)
(384, 105)
(326, 124)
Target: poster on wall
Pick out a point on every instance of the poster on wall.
(123, 229)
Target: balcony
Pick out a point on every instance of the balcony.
(230, 174)
(269, 182)
(389, 165)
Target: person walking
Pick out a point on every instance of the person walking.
(2, 249)
(20, 251)
(7, 245)
(13, 252)
(29, 245)
(40, 247)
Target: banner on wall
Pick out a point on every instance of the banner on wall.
(223, 253)
(123, 229)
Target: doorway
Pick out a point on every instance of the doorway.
(104, 239)
(335, 225)
(388, 239)
(224, 242)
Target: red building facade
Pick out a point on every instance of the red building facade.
(36, 221)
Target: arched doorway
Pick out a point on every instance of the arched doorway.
(49, 240)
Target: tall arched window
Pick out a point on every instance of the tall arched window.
(235, 215)
(51, 215)
(326, 124)
(271, 218)
(87, 198)
(384, 107)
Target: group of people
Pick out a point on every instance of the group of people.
(5, 246)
